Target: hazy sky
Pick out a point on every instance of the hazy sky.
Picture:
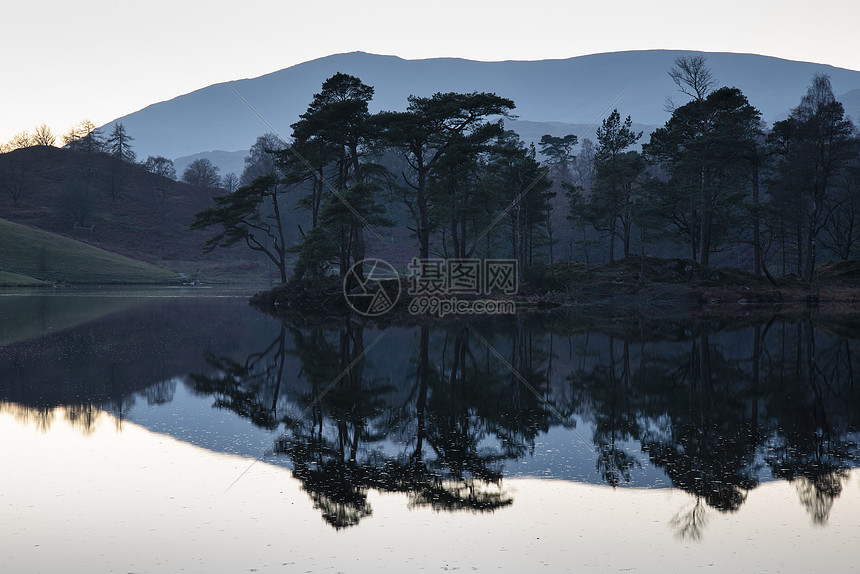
(100, 59)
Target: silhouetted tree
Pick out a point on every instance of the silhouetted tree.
(704, 149)
(693, 78)
(165, 174)
(230, 182)
(560, 160)
(522, 191)
(814, 145)
(118, 146)
(202, 173)
(243, 217)
(20, 140)
(426, 132)
(44, 136)
(84, 137)
(337, 130)
(616, 171)
(262, 158)
(14, 176)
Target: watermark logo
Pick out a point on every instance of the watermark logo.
(371, 287)
(436, 287)
(446, 277)
(443, 287)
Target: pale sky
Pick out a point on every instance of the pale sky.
(102, 59)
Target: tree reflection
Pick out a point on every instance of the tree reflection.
(441, 436)
(710, 413)
(604, 389)
(244, 387)
(717, 412)
(340, 454)
(41, 417)
(160, 393)
(814, 446)
(82, 417)
(690, 521)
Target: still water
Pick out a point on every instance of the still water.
(184, 431)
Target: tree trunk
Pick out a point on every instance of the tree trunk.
(627, 226)
(612, 224)
(707, 217)
(693, 251)
(799, 238)
(756, 223)
(809, 267)
(423, 220)
(421, 402)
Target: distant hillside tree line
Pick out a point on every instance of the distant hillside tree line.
(91, 147)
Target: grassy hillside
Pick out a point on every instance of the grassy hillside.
(28, 254)
(16, 280)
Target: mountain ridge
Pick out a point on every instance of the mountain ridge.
(580, 90)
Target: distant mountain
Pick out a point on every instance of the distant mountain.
(578, 91)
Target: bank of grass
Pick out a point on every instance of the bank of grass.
(30, 256)
(14, 280)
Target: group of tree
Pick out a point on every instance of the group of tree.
(465, 185)
(42, 136)
(713, 178)
(716, 178)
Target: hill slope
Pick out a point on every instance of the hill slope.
(575, 91)
(32, 253)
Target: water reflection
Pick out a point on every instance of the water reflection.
(444, 413)
(357, 431)
(729, 410)
(717, 413)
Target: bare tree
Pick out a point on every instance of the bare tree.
(260, 160)
(13, 179)
(201, 173)
(71, 136)
(85, 137)
(21, 140)
(230, 182)
(161, 166)
(44, 136)
(165, 174)
(693, 78)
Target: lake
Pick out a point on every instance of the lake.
(182, 430)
